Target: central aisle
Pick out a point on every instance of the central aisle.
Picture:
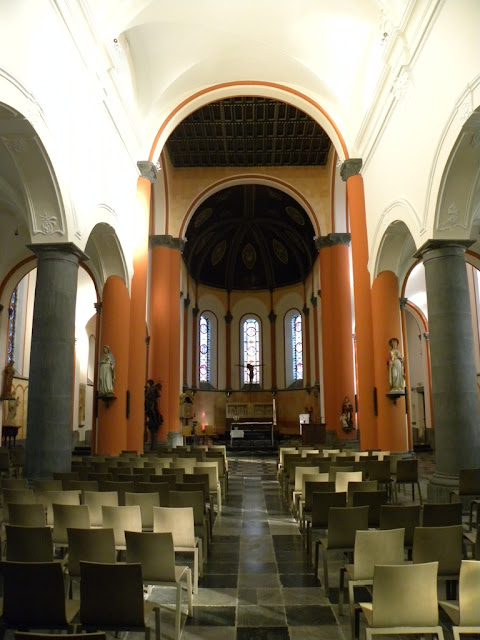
(258, 583)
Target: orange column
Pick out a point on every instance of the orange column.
(195, 376)
(306, 350)
(164, 350)
(138, 325)
(316, 350)
(408, 403)
(336, 328)
(363, 307)
(186, 304)
(391, 421)
(115, 330)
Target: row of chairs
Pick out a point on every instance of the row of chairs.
(373, 548)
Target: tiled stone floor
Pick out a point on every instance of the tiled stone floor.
(258, 583)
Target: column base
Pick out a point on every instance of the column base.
(175, 439)
(439, 487)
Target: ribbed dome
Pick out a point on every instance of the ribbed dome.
(250, 237)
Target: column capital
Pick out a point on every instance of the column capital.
(228, 317)
(98, 307)
(350, 167)
(403, 303)
(272, 316)
(186, 302)
(195, 311)
(331, 240)
(58, 251)
(313, 301)
(147, 170)
(167, 241)
(437, 248)
(305, 310)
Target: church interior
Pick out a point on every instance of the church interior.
(245, 226)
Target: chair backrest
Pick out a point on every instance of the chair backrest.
(299, 472)
(468, 590)
(334, 469)
(27, 515)
(441, 544)
(441, 514)
(90, 545)
(342, 478)
(34, 595)
(161, 488)
(18, 496)
(155, 552)
(208, 464)
(80, 485)
(343, 523)
(407, 470)
(374, 500)
(27, 635)
(14, 483)
(186, 463)
(111, 595)
(75, 516)
(212, 475)
(121, 519)
(469, 482)
(379, 470)
(179, 521)
(316, 486)
(120, 487)
(322, 502)
(146, 502)
(48, 498)
(194, 499)
(394, 516)
(376, 546)
(65, 475)
(363, 485)
(95, 501)
(405, 595)
(39, 486)
(29, 544)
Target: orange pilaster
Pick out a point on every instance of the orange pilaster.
(138, 327)
(363, 307)
(336, 330)
(115, 331)
(186, 304)
(174, 342)
(307, 348)
(391, 421)
(195, 328)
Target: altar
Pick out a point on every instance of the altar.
(251, 419)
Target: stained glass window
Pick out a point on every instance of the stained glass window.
(297, 347)
(205, 336)
(12, 314)
(251, 351)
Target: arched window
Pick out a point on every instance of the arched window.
(207, 359)
(250, 337)
(293, 348)
(204, 342)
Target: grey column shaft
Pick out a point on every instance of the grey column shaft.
(50, 392)
(454, 381)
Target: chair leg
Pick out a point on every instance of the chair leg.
(189, 592)
(325, 571)
(157, 623)
(178, 612)
(340, 591)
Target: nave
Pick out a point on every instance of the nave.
(258, 583)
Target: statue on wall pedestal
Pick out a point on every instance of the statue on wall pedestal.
(13, 404)
(346, 418)
(106, 373)
(396, 375)
(8, 374)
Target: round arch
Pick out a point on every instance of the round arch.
(272, 90)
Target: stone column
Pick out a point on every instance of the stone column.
(186, 304)
(454, 382)
(350, 172)
(337, 348)
(50, 393)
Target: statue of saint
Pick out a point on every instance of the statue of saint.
(106, 374)
(12, 411)
(395, 367)
(347, 414)
(8, 374)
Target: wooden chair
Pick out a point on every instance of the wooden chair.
(74, 516)
(27, 515)
(89, 545)
(121, 519)
(95, 500)
(363, 485)
(374, 500)
(322, 501)
(443, 545)
(465, 613)
(343, 478)
(179, 522)
(406, 516)
(371, 547)
(442, 514)
(49, 498)
(34, 597)
(407, 474)
(156, 555)
(28, 544)
(146, 502)
(196, 500)
(111, 597)
(404, 601)
(343, 523)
